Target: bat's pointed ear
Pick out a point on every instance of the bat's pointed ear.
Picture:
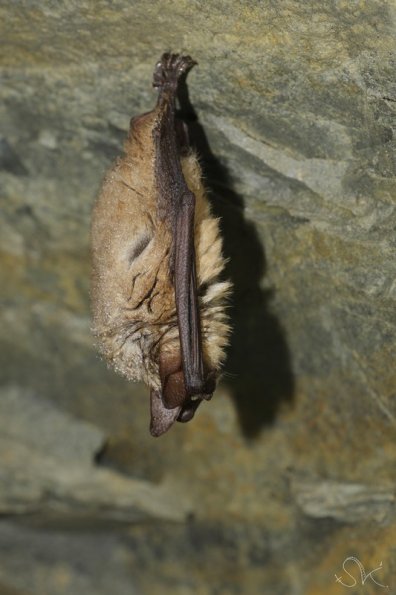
(172, 380)
(161, 417)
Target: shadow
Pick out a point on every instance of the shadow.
(258, 367)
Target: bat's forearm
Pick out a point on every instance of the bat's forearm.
(186, 297)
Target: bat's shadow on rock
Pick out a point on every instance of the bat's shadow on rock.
(258, 367)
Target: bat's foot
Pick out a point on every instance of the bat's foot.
(170, 68)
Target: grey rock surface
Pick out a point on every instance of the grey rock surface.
(292, 108)
(48, 469)
(345, 502)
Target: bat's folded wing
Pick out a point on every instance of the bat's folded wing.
(187, 299)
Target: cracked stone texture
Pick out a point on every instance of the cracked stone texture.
(290, 469)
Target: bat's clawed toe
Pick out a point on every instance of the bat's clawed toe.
(170, 68)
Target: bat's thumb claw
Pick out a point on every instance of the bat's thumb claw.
(188, 410)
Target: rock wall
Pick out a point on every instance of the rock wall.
(290, 469)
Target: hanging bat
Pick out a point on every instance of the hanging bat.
(159, 305)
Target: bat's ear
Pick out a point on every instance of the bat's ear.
(166, 404)
(172, 380)
(172, 403)
(161, 417)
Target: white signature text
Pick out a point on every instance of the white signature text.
(364, 576)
